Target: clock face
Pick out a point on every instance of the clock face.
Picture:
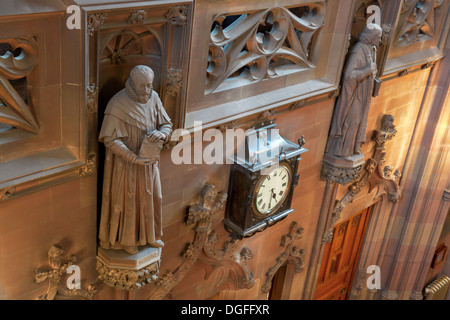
(271, 190)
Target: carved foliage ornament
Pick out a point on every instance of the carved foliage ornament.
(252, 46)
(18, 57)
(95, 21)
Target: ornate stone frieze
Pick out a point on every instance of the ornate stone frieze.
(250, 47)
(56, 272)
(291, 253)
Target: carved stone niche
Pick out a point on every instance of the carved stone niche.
(418, 35)
(123, 35)
(261, 54)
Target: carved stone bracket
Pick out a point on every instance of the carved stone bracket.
(95, 21)
(55, 272)
(291, 253)
(384, 174)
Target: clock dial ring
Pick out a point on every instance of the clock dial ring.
(271, 190)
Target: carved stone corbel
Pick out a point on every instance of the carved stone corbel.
(291, 253)
(385, 174)
(55, 272)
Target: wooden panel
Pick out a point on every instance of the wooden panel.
(340, 258)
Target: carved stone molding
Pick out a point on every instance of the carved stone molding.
(138, 16)
(90, 166)
(177, 15)
(95, 21)
(174, 80)
(291, 253)
(55, 272)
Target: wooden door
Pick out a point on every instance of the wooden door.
(341, 257)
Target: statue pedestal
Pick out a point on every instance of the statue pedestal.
(122, 270)
(342, 170)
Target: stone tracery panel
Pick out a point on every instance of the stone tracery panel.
(418, 21)
(250, 47)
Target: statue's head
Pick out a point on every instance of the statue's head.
(141, 81)
(371, 34)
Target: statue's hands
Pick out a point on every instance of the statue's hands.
(143, 161)
(373, 66)
(156, 135)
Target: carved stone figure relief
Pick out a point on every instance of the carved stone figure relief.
(18, 57)
(252, 46)
(134, 129)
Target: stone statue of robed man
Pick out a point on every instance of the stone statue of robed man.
(131, 214)
(349, 125)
